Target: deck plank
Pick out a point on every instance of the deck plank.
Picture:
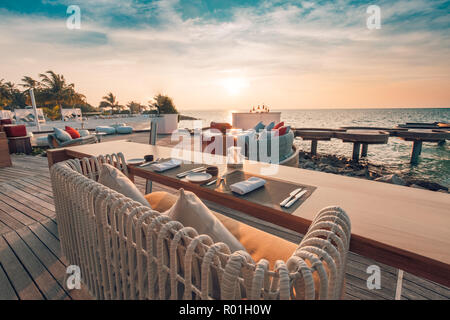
(6, 290)
(48, 286)
(20, 279)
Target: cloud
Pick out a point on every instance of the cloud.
(136, 49)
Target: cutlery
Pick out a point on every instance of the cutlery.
(210, 183)
(291, 195)
(298, 196)
(183, 174)
(149, 163)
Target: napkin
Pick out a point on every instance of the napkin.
(163, 166)
(247, 186)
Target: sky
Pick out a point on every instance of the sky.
(233, 54)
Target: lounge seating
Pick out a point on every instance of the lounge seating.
(128, 251)
(54, 142)
(119, 128)
(124, 130)
(105, 129)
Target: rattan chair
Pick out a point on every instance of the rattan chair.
(129, 251)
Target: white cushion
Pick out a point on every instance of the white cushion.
(114, 179)
(192, 212)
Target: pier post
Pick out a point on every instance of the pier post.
(416, 151)
(313, 147)
(356, 149)
(364, 149)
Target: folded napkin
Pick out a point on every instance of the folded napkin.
(247, 186)
(163, 166)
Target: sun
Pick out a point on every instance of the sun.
(234, 86)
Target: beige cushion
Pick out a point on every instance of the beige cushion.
(192, 212)
(257, 243)
(160, 200)
(113, 178)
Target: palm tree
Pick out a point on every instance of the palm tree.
(163, 104)
(55, 89)
(5, 96)
(30, 83)
(110, 101)
(135, 107)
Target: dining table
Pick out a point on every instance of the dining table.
(402, 227)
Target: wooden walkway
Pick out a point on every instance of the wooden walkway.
(32, 266)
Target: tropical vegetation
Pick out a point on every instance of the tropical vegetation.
(53, 92)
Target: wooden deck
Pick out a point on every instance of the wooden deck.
(32, 267)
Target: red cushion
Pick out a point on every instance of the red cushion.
(5, 121)
(221, 126)
(280, 131)
(16, 131)
(73, 133)
(279, 125)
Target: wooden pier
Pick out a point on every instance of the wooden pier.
(32, 265)
(361, 137)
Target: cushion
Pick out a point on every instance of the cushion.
(5, 121)
(192, 212)
(278, 125)
(161, 201)
(124, 129)
(282, 131)
(259, 126)
(270, 126)
(15, 131)
(257, 243)
(263, 245)
(41, 141)
(83, 133)
(62, 135)
(105, 129)
(221, 126)
(73, 133)
(113, 178)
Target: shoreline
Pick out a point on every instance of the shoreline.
(342, 165)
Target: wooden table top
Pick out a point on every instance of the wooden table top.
(403, 227)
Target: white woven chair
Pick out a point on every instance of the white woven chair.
(128, 251)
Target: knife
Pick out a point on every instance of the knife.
(291, 195)
(210, 183)
(298, 196)
(183, 174)
(149, 163)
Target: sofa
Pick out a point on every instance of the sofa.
(130, 251)
(54, 142)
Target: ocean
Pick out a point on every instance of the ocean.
(434, 162)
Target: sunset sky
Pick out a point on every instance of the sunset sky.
(232, 54)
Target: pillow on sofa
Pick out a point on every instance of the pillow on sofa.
(83, 133)
(114, 179)
(259, 126)
(278, 125)
(282, 131)
(15, 131)
(192, 212)
(270, 126)
(73, 133)
(61, 135)
(161, 201)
